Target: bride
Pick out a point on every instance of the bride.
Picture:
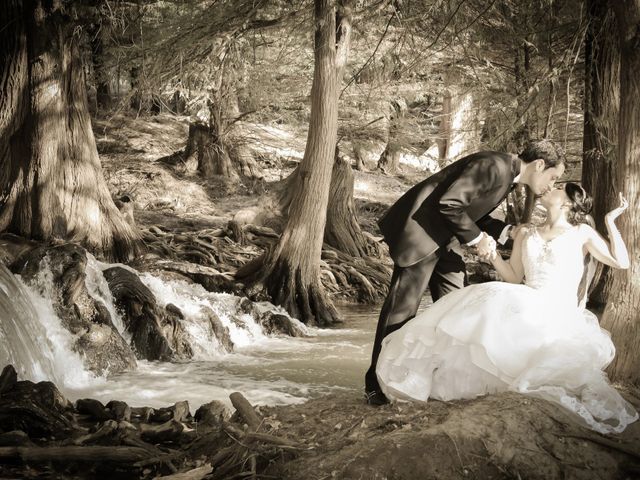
(534, 338)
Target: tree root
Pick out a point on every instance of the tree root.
(241, 248)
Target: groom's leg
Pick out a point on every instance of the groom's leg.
(450, 273)
(405, 292)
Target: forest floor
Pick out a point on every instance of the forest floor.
(336, 436)
(130, 149)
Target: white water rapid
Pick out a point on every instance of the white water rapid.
(32, 338)
(268, 369)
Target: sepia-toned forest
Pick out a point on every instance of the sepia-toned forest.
(189, 198)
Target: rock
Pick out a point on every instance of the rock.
(169, 430)
(274, 323)
(219, 330)
(172, 309)
(181, 411)
(119, 410)
(273, 319)
(245, 216)
(38, 409)
(174, 332)
(211, 415)
(97, 340)
(157, 333)
(93, 408)
(8, 379)
(161, 415)
(143, 414)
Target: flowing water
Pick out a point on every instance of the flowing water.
(32, 338)
(271, 371)
(266, 369)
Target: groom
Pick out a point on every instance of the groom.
(452, 204)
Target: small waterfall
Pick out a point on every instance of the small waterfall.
(31, 337)
(192, 300)
(98, 288)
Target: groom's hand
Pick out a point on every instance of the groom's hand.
(485, 247)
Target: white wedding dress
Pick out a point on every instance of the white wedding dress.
(496, 336)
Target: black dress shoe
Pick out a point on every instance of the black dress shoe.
(375, 397)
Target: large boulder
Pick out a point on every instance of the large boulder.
(37, 409)
(156, 333)
(59, 272)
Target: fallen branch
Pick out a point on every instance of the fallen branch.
(194, 474)
(75, 454)
(244, 408)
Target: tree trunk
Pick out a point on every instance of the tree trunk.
(343, 231)
(458, 133)
(621, 313)
(100, 76)
(51, 182)
(390, 157)
(601, 116)
(291, 270)
(359, 158)
(213, 155)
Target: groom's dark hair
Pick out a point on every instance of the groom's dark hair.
(548, 151)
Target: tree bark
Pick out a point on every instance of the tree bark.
(621, 315)
(390, 158)
(291, 270)
(601, 114)
(213, 155)
(343, 231)
(100, 77)
(51, 182)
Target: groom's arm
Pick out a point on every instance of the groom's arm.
(492, 226)
(479, 178)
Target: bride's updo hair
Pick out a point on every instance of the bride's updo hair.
(581, 203)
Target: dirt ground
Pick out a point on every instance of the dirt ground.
(493, 437)
(130, 149)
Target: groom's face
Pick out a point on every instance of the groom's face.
(543, 179)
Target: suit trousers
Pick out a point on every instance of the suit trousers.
(443, 272)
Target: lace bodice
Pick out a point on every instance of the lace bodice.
(555, 265)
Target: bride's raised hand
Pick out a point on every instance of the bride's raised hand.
(616, 212)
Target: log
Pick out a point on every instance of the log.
(244, 408)
(15, 438)
(236, 232)
(119, 410)
(272, 439)
(159, 433)
(68, 454)
(160, 459)
(105, 430)
(194, 474)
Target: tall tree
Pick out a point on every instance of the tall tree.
(342, 230)
(621, 312)
(290, 272)
(51, 181)
(601, 116)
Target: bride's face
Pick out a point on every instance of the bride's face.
(556, 198)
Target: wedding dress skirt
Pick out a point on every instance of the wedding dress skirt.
(497, 336)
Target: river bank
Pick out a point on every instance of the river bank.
(500, 436)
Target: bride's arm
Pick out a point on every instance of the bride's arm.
(513, 270)
(614, 253)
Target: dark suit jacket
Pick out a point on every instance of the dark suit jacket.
(455, 202)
